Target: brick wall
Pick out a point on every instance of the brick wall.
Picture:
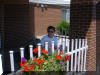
(98, 34)
(17, 25)
(1, 25)
(44, 17)
(17, 31)
(83, 25)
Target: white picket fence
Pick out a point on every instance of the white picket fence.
(77, 48)
(1, 67)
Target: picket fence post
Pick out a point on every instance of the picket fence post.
(52, 47)
(12, 61)
(46, 46)
(58, 48)
(86, 47)
(39, 49)
(1, 67)
(72, 44)
(75, 64)
(79, 55)
(31, 51)
(22, 52)
(82, 55)
(63, 44)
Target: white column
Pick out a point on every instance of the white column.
(39, 50)
(12, 61)
(1, 67)
(52, 47)
(31, 51)
(22, 52)
(46, 46)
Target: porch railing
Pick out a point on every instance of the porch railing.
(77, 48)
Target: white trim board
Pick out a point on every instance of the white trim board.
(55, 2)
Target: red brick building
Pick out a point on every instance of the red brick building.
(44, 17)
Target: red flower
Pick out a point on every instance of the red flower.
(35, 50)
(42, 50)
(40, 67)
(59, 57)
(46, 52)
(40, 62)
(69, 57)
(43, 61)
(65, 59)
(22, 64)
(31, 67)
(34, 60)
(25, 69)
(61, 52)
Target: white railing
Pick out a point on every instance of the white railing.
(76, 48)
(78, 52)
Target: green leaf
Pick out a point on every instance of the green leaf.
(64, 25)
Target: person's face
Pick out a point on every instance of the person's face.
(50, 32)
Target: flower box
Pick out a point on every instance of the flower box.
(45, 62)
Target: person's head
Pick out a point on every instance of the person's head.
(51, 31)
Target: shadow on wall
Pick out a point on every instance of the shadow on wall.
(80, 19)
(82, 25)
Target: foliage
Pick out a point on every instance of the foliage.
(63, 27)
(45, 62)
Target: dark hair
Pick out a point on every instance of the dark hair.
(50, 27)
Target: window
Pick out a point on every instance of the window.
(66, 14)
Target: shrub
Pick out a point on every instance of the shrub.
(63, 27)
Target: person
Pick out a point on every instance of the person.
(49, 38)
